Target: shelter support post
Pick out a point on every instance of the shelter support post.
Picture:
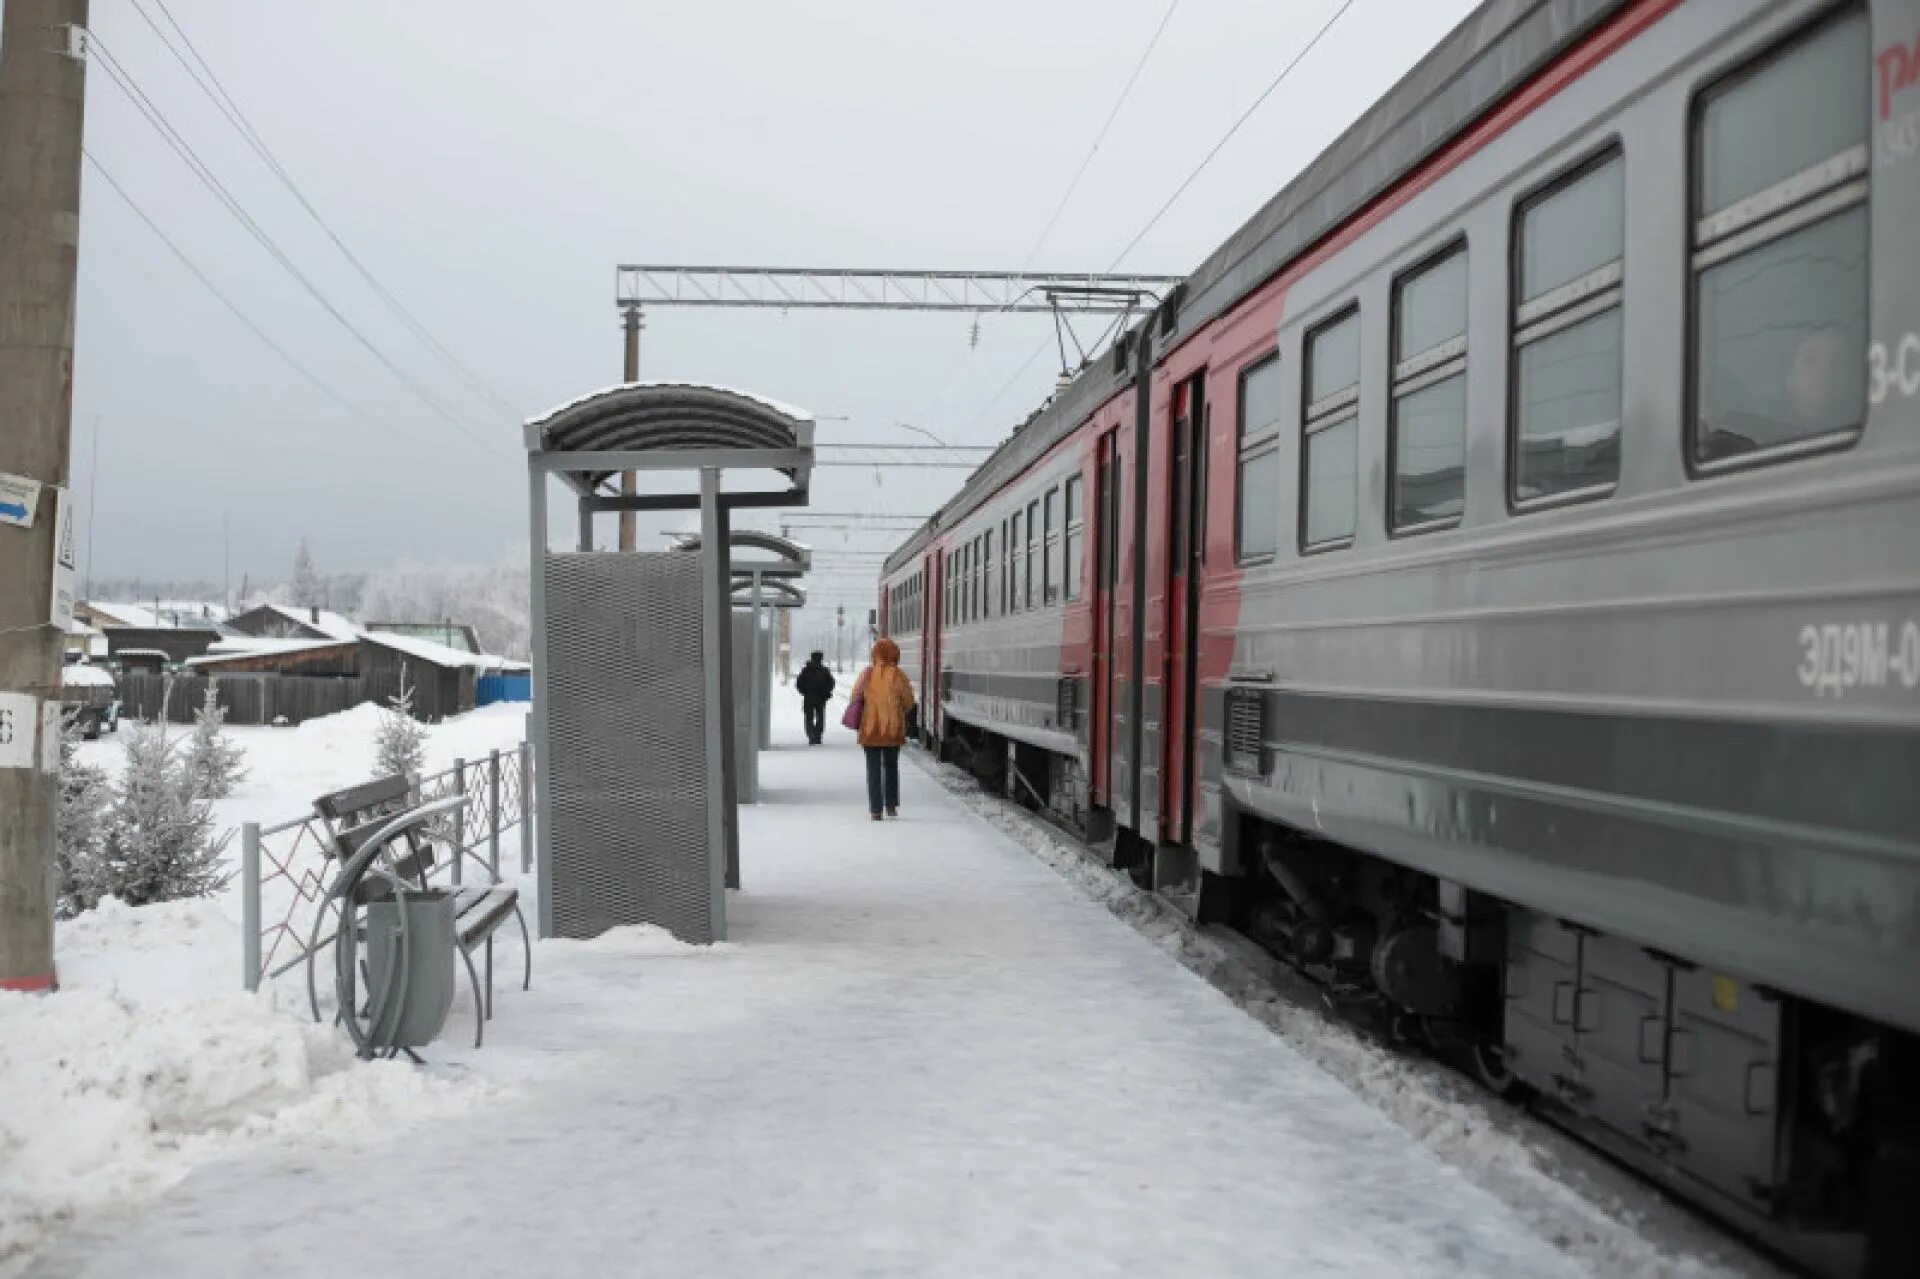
(542, 750)
(713, 586)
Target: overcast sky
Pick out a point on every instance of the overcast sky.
(491, 162)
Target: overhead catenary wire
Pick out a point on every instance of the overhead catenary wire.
(1181, 190)
(217, 93)
(1053, 220)
(1106, 125)
(1232, 129)
(117, 72)
(319, 383)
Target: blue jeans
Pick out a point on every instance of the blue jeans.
(883, 777)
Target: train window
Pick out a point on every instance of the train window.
(1256, 533)
(1780, 155)
(1033, 551)
(1427, 415)
(1075, 536)
(1330, 427)
(986, 594)
(1049, 571)
(1016, 555)
(1570, 264)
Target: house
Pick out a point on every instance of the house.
(176, 643)
(451, 634)
(290, 621)
(251, 655)
(442, 678)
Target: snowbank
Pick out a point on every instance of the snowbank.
(113, 1089)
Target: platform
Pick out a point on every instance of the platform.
(921, 1053)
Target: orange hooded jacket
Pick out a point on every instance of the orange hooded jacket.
(888, 697)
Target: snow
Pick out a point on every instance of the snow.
(785, 410)
(85, 675)
(921, 1051)
(257, 646)
(430, 651)
(332, 625)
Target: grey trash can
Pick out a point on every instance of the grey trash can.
(414, 1011)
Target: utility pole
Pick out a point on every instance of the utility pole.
(633, 323)
(42, 101)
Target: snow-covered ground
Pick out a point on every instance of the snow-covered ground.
(151, 1060)
(921, 1052)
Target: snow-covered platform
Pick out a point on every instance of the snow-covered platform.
(922, 1053)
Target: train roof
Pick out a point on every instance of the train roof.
(1492, 52)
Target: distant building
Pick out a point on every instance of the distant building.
(251, 655)
(288, 621)
(175, 643)
(448, 634)
(442, 677)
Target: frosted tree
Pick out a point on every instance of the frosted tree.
(79, 828)
(160, 843)
(213, 762)
(305, 587)
(401, 744)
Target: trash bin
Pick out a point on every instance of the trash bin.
(410, 981)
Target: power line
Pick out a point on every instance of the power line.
(240, 315)
(118, 73)
(217, 93)
(1182, 188)
(1101, 136)
(1235, 128)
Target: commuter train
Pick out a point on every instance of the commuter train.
(1491, 581)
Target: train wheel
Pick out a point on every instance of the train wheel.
(1490, 1066)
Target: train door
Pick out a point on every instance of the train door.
(1186, 514)
(1106, 578)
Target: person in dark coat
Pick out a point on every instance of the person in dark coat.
(815, 683)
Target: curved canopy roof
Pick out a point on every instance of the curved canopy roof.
(673, 419)
(788, 558)
(773, 594)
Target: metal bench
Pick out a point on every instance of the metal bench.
(362, 813)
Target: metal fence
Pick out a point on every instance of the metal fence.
(284, 868)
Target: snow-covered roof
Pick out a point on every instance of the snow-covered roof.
(134, 615)
(327, 623)
(223, 650)
(160, 653)
(83, 675)
(429, 651)
(784, 409)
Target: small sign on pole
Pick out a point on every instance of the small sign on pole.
(63, 559)
(19, 723)
(19, 498)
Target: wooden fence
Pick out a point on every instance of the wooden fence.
(253, 698)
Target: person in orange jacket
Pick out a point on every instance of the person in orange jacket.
(886, 700)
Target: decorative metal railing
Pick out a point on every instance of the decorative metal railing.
(284, 867)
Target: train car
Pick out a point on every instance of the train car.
(1489, 581)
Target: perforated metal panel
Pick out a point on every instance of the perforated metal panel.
(626, 744)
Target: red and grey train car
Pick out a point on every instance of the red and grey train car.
(1492, 580)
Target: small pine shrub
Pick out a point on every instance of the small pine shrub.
(213, 762)
(80, 828)
(401, 744)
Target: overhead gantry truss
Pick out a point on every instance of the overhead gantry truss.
(786, 288)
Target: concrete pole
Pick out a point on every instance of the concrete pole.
(42, 100)
(629, 486)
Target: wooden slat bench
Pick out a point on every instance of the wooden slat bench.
(356, 814)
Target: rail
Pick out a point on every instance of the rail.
(284, 867)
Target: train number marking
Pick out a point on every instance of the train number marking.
(1898, 66)
(1837, 656)
(1895, 368)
